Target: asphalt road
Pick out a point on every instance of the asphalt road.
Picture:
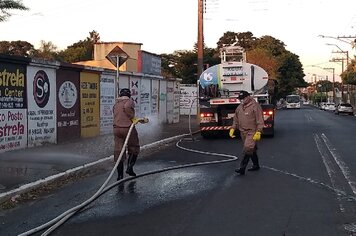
(307, 186)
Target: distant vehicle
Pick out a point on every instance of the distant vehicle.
(322, 105)
(344, 108)
(306, 102)
(292, 101)
(330, 106)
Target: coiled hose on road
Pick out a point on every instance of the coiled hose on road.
(59, 220)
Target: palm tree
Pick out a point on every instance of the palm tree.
(6, 5)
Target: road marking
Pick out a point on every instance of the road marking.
(329, 169)
(309, 118)
(342, 165)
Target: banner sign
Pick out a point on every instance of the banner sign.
(89, 104)
(42, 127)
(107, 101)
(68, 113)
(13, 104)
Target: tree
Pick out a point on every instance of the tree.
(183, 64)
(81, 50)
(6, 5)
(290, 74)
(18, 48)
(47, 51)
(274, 46)
(264, 59)
(349, 75)
(243, 39)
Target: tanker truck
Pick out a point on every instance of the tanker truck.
(219, 88)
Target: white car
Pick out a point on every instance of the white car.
(344, 108)
(330, 106)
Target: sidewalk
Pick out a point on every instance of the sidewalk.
(21, 167)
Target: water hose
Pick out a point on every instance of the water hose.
(59, 220)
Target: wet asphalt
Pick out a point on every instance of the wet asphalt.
(25, 166)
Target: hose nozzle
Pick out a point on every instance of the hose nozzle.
(143, 120)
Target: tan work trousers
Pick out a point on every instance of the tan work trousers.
(133, 145)
(249, 146)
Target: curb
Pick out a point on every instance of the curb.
(42, 182)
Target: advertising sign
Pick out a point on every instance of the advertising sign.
(89, 104)
(135, 87)
(163, 100)
(68, 110)
(13, 104)
(145, 97)
(176, 98)
(170, 101)
(154, 97)
(107, 101)
(188, 99)
(41, 87)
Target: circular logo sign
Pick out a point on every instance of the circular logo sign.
(41, 88)
(67, 94)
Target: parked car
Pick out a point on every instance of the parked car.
(322, 105)
(344, 108)
(330, 106)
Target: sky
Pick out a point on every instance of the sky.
(163, 26)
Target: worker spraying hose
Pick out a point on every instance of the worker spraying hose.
(124, 117)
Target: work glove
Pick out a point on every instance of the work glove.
(135, 120)
(257, 136)
(231, 133)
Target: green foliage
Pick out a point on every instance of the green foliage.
(290, 74)
(81, 50)
(274, 46)
(318, 97)
(183, 64)
(324, 86)
(349, 75)
(18, 48)
(6, 5)
(243, 39)
(47, 51)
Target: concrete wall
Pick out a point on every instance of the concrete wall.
(50, 102)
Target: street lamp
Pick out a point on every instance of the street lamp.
(337, 38)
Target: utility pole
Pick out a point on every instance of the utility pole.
(200, 43)
(342, 67)
(333, 86)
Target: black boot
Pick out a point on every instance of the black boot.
(255, 163)
(120, 170)
(254, 159)
(130, 164)
(243, 165)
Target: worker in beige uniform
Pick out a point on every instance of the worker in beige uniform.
(124, 117)
(248, 119)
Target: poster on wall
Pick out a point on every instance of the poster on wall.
(163, 100)
(154, 97)
(41, 97)
(176, 97)
(188, 99)
(89, 104)
(145, 97)
(135, 87)
(68, 124)
(107, 101)
(170, 101)
(13, 107)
